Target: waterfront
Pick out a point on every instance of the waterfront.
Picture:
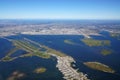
(80, 52)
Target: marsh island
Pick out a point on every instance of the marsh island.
(99, 66)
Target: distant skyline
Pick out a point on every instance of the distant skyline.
(60, 9)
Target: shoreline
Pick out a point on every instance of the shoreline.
(64, 66)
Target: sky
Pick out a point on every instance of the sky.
(60, 9)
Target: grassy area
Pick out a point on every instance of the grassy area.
(92, 42)
(48, 50)
(43, 55)
(39, 70)
(106, 52)
(23, 45)
(69, 42)
(52, 51)
(99, 66)
(6, 58)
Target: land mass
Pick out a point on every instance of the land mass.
(93, 42)
(106, 52)
(99, 66)
(31, 50)
(69, 42)
(63, 61)
(40, 70)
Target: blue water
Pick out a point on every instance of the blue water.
(28, 65)
(81, 53)
(18, 53)
(5, 47)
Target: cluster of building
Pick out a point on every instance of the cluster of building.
(64, 65)
(52, 28)
(45, 30)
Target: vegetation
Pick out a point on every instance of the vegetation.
(69, 42)
(92, 42)
(27, 55)
(50, 50)
(6, 58)
(99, 66)
(39, 70)
(30, 48)
(106, 52)
(39, 54)
(47, 49)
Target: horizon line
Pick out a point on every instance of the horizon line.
(50, 19)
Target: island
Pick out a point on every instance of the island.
(106, 52)
(99, 66)
(69, 42)
(40, 70)
(92, 42)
